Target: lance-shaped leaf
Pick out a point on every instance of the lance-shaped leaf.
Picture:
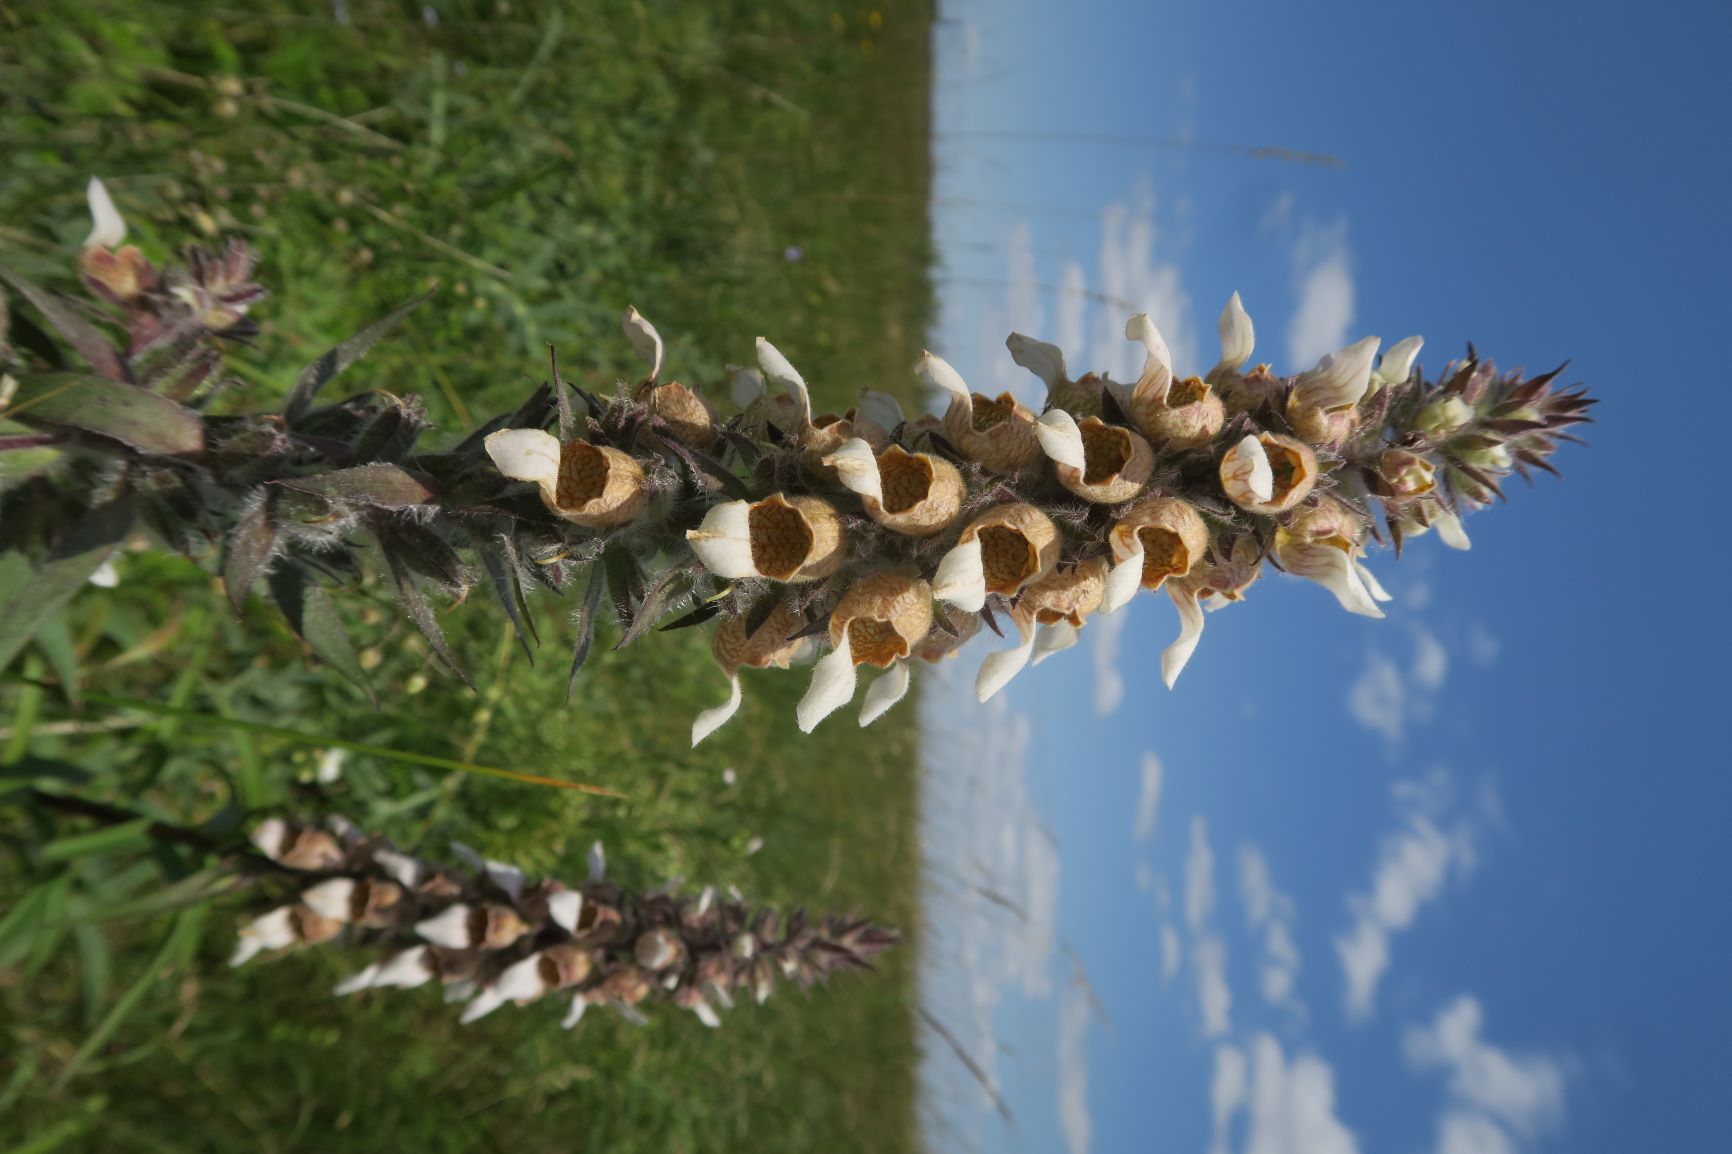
(78, 553)
(386, 486)
(314, 376)
(314, 618)
(423, 551)
(83, 336)
(664, 592)
(250, 546)
(421, 612)
(130, 415)
(585, 622)
(502, 572)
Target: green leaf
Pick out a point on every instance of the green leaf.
(176, 947)
(126, 413)
(18, 928)
(315, 620)
(111, 839)
(316, 375)
(585, 623)
(416, 605)
(510, 594)
(83, 336)
(93, 970)
(78, 554)
(251, 544)
(387, 486)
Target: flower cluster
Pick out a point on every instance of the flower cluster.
(894, 540)
(492, 936)
(852, 538)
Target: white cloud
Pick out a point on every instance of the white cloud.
(1073, 1089)
(1523, 1092)
(1073, 303)
(1132, 276)
(1464, 1132)
(1413, 865)
(1430, 660)
(1104, 635)
(1279, 214)
(1199, 875)
(1149, 797)
(1172, 952)
(1145, 877)
(1270, 911)
(1214, 996)
(1323, 282)
(1293, 1104)
(1482, 646)
(1385, 700)
(1377, 699)
(1227, 1092)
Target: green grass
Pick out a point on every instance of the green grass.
(595, 155)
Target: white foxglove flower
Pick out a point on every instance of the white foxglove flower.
(780, 370)
(1398, 360)
(332, 899)
(1339, 380)
(1141, 329)
(1051, 639)
(106, 576)
(330, 768)
(856, 467)
(1331, 566)
(597, 862)
(450, 927)
(1246, 474)
(406, 870)
(961, 577)
(1176, 655)
(880, 409)
(1044, 360)
(404, 971)
(108, 227)
(717, 716)
(723, 541)
(1001, 667)
(565, 908)
(1060, 438)
(890, 688)
(271, 931)
(745, 385)
(646, 341)
(833, 684)
(573, 1016)
(1238, 337)
(1450, 531)
(1124, 578)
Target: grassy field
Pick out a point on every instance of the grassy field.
(731, 169)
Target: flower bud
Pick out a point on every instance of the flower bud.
(1443, 416)
(1229, 572)
(1333, 563)
(1115, 462)
(939, 644)
(1268, 473)
(1322, 405)
(781, 538)
(772, 645)
(687, 414)
(659, 949)
(1328, 428)
(1170, 533)
(1406, 475)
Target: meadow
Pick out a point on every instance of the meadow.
(731, 169)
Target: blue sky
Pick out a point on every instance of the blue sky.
(1452, 881)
